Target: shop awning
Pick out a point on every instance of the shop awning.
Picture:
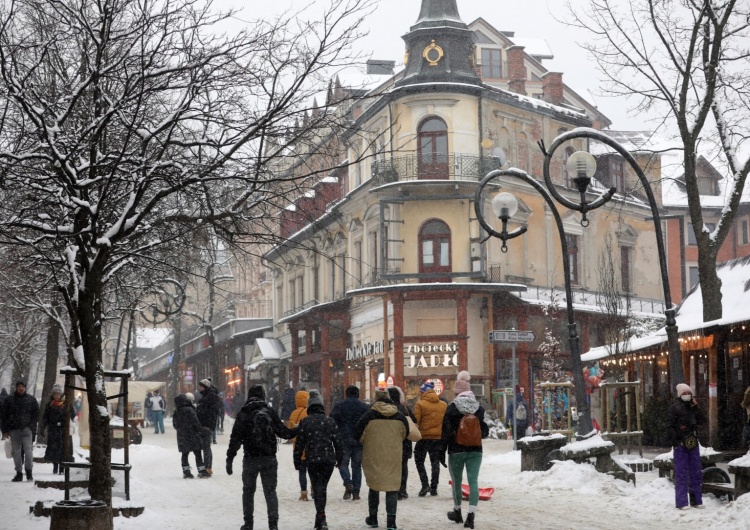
(254, 366)
(269, 349)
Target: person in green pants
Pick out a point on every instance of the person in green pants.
(463, 431)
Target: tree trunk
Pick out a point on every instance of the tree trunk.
(52, 354)
(710, 287)
(89, 315)
(173, 379)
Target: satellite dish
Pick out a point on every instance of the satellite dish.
(499, 153)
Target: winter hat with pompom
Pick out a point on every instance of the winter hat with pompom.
(462, 382)
(682, 388)
(58, 389)
(427, 385)
(315, 399)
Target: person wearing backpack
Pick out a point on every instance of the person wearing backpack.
(318, 440)
(463, 431)
(517, 415)
(256, 428)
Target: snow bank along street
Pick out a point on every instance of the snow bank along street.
(567, 497)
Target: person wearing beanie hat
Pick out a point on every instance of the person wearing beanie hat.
(318, 442)
(463, 431)
(346, 414)
(295, 418)
(382, 430)
(189, 430)
(20, 416)
(52, 428)
(462, 383)
(257, 429)
(429, 411)
(683, 418)
(208, 410)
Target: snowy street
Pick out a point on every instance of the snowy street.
(567, 497)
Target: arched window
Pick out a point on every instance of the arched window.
(435, 249)
(432, 148)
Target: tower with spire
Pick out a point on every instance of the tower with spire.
(439, 47)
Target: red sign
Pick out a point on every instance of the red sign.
(439, 386)
(389, 381)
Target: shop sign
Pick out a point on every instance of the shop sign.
(365, 350)
(445, 354)
(439, 386)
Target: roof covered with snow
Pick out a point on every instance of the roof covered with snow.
(735, 291)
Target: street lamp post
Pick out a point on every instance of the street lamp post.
(583, 166)
(675, 354)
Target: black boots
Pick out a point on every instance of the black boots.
(54, 468)
(17, 478)
(29, 476)
(348, 492)
(455, 516)
(424, 491)
(391, 522)
(320, 521)
(371, 521)
(186, 473)
(469, 520)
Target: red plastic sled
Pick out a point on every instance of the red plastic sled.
(485, 494)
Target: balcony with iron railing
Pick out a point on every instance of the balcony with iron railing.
(451, 166)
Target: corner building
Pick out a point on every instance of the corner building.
(387, 273)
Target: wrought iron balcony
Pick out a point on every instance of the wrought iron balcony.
(453, 166)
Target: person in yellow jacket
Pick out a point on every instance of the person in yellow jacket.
(298, 414)
(429, 411)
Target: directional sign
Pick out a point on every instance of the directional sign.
(511, 335)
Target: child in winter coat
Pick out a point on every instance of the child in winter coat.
(318, 440)
(189, 429)
(298, 414)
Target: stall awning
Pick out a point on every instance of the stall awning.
(254, 366)
(269, 349)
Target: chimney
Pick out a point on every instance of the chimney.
(516, 69)
(552, 88)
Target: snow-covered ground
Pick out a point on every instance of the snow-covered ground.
(569, 496)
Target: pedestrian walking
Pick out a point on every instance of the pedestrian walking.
(382, 430)
(208, 414)
(429, 411)
(288, 402)
(463, 431)
(149, 419)
(299, 414)
(346, 414)
(407, 450)
(683, 418)
(189, 432)
(318, 440)
(256, 429)
(20, 416)
(53, 429)
(157, 411)
(517, 415)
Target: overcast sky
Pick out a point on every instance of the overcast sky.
(527, 18)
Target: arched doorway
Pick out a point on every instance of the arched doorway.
(433, 149)
(435, 250)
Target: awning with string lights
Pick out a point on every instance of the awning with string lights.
(694, 334)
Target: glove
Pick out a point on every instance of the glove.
(33, 436)
(206, 430)
(442, 459)
(229, 467)
(296, 466)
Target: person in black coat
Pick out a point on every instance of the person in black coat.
(318, 439)
(189, 432)
(208, 415)
(256, 429)
(683, 418)
(20, 415)
(398, 398)
(288, 404)
(3, 397)
(347, 413)
(53, 429)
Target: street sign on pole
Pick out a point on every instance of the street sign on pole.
(511, 335)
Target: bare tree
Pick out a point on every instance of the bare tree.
(684, 63)
(124, 125)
